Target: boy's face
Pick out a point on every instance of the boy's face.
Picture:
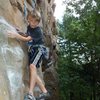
(32, 21)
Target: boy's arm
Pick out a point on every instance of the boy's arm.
(23, 38)
(18, 36)
(23, 34)
(20, 32)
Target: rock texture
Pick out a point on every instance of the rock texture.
(13, 53)
(12, 58)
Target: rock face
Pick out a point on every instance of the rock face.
(12, 64)
(13, 53)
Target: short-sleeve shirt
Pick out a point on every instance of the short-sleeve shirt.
(36, 34)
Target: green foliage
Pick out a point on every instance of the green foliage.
(79, 54)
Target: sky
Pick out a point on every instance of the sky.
(59, 11)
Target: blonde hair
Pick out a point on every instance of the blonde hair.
(35, 14)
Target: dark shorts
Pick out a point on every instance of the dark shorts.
(35, 56)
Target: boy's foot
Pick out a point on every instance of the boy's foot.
(29, 96)
(43, 96)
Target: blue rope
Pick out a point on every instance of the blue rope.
(33, 4)
(25, 8)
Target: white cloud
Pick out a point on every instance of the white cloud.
(60, 8)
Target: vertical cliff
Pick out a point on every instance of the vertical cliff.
(15, 12)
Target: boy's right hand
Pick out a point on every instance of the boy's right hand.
(12, 34)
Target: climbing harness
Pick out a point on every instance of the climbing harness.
(42, 49)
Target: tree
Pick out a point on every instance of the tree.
(79, 57)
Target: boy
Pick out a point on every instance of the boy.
(34, 37)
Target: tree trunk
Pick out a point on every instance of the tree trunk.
(94, 94)
(91, 97)
(71, 96)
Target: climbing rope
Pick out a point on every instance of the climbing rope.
(25, 7)
(33, 4)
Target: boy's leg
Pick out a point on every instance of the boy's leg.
(45, 94)
(41, 85)
(33, 76)
(30, 96)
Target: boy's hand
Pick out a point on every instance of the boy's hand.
(18, 29)
(12, 34)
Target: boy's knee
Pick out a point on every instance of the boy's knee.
(32, 67)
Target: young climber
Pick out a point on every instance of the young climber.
(34, 37)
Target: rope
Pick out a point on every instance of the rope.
(25, 7)
(33, 4)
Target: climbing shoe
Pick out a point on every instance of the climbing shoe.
(29, 96)
(43, 96)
